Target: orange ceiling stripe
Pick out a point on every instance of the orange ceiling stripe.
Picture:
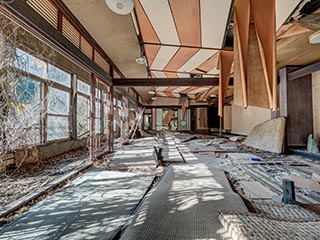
(210, 64)
(225, 63)
(188, 90)
(186, 15)
(180, 58)
(151, 52)
(147, 32)
(171, 89)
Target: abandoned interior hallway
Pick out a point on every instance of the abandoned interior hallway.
(139, 196)
(159, 119)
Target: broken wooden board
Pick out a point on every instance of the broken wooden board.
(305, 183)
(255, 190)
(268, 136)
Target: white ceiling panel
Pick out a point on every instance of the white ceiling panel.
(159, 74)
(214, 18)
(161, 88)
(284, 8)
(179, 89)
(163, 57)
(159, 14)
(183, 75)
(197, 59)
(201, 89)
(162, 94)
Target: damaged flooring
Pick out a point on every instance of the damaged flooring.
(192, 199)
(95, 206)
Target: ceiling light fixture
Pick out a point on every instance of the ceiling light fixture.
(154, 98)
(151, 92)
(141, 60)
(122, 7)
(315, 38)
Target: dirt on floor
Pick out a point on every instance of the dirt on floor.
(15, 183)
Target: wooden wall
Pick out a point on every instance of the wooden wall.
(296, 105)
(316, 104)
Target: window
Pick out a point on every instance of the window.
(58, 114)
(83, 113)
(83, 108)
(58, 101)
(106, 100)
(58, 127)
(98, 117)
(30, 64)
(83, 87)
(23, 125)
(59, 76)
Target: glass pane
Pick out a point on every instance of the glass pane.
(106, 117)
(58, 101)
(98, 125)
(98, 93)
(58, 127)
(31, 64)
(83, 114)
(59, 76)
(83, 87)
(98, 109)
(23, 123)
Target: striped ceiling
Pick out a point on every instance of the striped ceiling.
(182, 36)
(175, 92)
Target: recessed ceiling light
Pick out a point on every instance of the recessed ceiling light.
(154, 98)
(151, 92)
(122, 7)
(315, 38)
(141, 60)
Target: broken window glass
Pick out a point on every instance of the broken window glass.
(59, 76)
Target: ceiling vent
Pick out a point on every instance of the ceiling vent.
(122, 7)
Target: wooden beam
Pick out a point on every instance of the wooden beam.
(304, 71)
(28, 18)
(135, 82)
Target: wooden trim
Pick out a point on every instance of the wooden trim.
(68, 14)
(156, 82)
(186, 46)
(28, 18)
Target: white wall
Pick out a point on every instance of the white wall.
(244, 120)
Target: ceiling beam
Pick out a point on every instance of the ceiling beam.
(304, 71)
(158, 82)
